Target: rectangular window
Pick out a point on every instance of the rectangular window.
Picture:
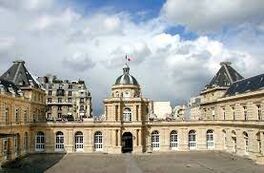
(259, 112)
(137, 112)
(245, 113)
(116, 137)
(116, 112)
(234, 113)
(59, 115)
(69, 93)
(59, 108)
(17, 115)
(59, 100)
(224, 114)
(49, 100)
(106, 112)
(49, 116)
(137, 137)
(5, 148)
(70, 86)
(25, 116)
(69, 100)
(50, 92)
(6, 113)
(213, 113)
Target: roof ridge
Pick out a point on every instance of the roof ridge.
(248, 78)
(17, 70)
(228, 74)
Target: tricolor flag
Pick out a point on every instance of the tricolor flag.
(128, 58)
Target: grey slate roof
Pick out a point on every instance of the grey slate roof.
(19, 75)
(225, 77)
(126, 78)
(250, 84)
(9, 87)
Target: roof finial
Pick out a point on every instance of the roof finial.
(126, 67)
(225, 63)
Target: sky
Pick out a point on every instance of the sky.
(176, 46)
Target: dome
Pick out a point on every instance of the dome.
(126, 78)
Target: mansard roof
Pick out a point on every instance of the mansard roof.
(225, 77)
(9, 87)
(19, 75)
(250, 84)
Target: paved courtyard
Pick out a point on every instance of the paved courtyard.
(178, 162)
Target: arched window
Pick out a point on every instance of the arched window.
(174, 140)
(40, 141)
(234, 140)
(245, 142)
(127, 115)
(192, 139)
(98, 141)
(59, 145)
(82, 108)
(210, 139)
(155, 140)
(225, 139)
(78, 141)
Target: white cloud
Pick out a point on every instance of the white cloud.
(210, 16)
(26, 4)
(92, 47)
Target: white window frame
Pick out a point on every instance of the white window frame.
(127, 115)
(174, 140)
(78, 139)
(98, 141)
(210, 139)
(192, 140)
(59, 141)
(155, 141)
(40, 141)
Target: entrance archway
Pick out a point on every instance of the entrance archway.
(127, 142)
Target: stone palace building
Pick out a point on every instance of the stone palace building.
(229, 117)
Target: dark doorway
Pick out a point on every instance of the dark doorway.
(127, 142)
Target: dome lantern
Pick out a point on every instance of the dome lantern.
(126, 78)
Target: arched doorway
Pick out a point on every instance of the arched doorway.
(127, 142)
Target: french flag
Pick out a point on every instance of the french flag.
(128, 58)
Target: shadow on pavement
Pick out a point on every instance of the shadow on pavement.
(33, 163)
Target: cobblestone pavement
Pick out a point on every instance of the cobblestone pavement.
(177, 162)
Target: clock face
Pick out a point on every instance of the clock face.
(126, 94)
